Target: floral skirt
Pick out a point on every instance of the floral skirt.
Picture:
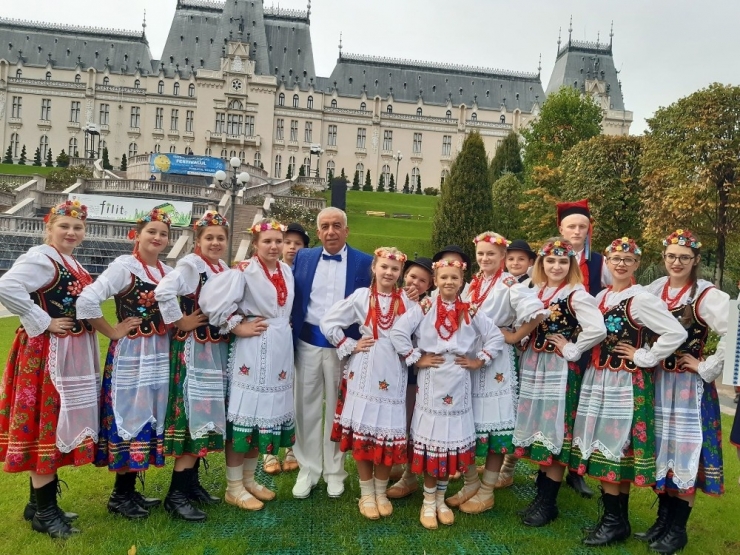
(268, 441)
(146, 449)
(440, 464)
(498, 443)
(177, 438)
(377, 450)
(29, 412)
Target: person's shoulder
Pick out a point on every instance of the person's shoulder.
(362, 256)
(305, 254)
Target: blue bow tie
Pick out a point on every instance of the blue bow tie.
(335, 257)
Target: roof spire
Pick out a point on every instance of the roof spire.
(539, 66)
(340, 45)
(598, 39)
(560, 30)
(611, 35)
(570, 29)
(308, 13)
(143, 24)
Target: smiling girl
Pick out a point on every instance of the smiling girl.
(253, 302)
(136, 375)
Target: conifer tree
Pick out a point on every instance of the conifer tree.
(8, 156)
(368, 182)
(63, 160)
(302, 171)
(406, 189)
(342, 175)
(37, 157)
(392, 185)
(508, 158)
(356, 181)
(22, 160)
(49, 160)
(289, 175)
(381, 184)
(106, 160)
(418, 185)
(124, 163)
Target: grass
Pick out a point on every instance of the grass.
(15, 169)
(323, 525)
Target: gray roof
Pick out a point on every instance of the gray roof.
(578, 61)
(290, 50)
(66, 46)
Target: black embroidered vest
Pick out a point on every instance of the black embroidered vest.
(58, 298)
(188, 305)
(138, 301)
(562, 320)
(697, 329)
(619, 327)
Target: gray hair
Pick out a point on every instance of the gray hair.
(331, 210)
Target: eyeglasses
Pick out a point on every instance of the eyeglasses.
(683, 259)
(616, 261)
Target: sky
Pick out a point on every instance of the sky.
(665, 49)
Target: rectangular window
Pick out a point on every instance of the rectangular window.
(220, 122)
(17, 106)
(332, 135)
(279, 129)
(46, 109)
(387, 140)
(135, 117)
(174, 117)
(417, 143)
(104, 114)
(294, 130)
(249, 127)
(446, 145)
(361, 132)
(74, 112)
(159, 118)
(308, 137)
(189, 117)
(234, 124)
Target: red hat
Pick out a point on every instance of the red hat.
(566, 209)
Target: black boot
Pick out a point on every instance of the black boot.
(177, 503)
(197, 493)
(576, 481)
(675, 537)
(612, 526)
(537, 498)
(624, 505)
(30, 509)
(48, 516)
(147, 503)
(547, 509)
(122, 500)
(661, 524)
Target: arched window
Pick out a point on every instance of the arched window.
(106, 81)
(257, 159)
(503, 118)
(173, 149)
(309, 103)
(160, 87)
(18, 73)
(307, 165)
(418, 111)
(224, 154)
(48, 75)
(241, 156)
(474, 117)
(176, 89)
(191, 90)
(386, 175)
(235, 105)
(15, 143)
(157, 148)
(291, 166)
(281, 99)
(78, 78)
(360, 169)
(445, 175)
(415, 176)
(449, 114)
(232, 154)
(209, 152)
(72, 150)
(295, 101)
(44, 146)
(278, 165)
(333, 102)
(330, 168)
(133, 150)
(363, 106)
(389, 109)
(137, 84)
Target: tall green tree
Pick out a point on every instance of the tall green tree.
(466, 204)
(356, 181)
(289, 173)
(22, 159)
(406, 189)
(37, 157)
(8, 155)
(106, 160)
(508, 158)
(507, 196)
(392, 185)
(418, 190)
(368, 186)
(691, 170)
(49, 163)
(342, 175)
(381, 184)
(124, 162)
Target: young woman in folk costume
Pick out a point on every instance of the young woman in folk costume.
(136, 376)
(452, 339)
(372, 412)
(688, 427)
(494, 395)
(614, 435)
(253, 302)
(49, 396)
(196, 411)
(549, 374)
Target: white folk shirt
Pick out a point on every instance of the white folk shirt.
(328, 286)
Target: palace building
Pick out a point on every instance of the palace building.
(237, 78)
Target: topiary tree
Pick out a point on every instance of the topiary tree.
(418, 185)
(63, 160)
(49, 161)
(22, 159)
(106, 160)
(381, 184)
(356, 181)
(368, 182)
(466, 206)
(330, 177)
(391, 185)
(406, 189)
(302, 171)
(342, 175)
(37, 157)
(124, 163)
(289, 175)
(431, 191)
(8, 156)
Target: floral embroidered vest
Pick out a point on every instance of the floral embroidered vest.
(697, 329)
(188, 305)
(619, 327)
(58, 298)
(562, 320)
(138, 301)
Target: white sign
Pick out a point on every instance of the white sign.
(130, 209)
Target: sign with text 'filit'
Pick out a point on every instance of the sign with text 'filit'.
(130, 209)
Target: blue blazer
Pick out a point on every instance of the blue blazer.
(304, 269)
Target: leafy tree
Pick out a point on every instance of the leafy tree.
(8, 156)
(406, 189)
(466, 206)
(63, 159)
(391, 185)
(538, 204)
(49, 160)
(356, 181)
(507, 194)
(606, 170)
(106, 160)
(22, 159)
(691, 170)
(381, 184)
(124, 163)
(368, 182)
(418, 185)
(289, 174)
(508, 158)
(431, 191)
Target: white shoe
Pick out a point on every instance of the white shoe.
(335, 488)
(302, 488)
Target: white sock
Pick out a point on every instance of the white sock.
(429, 495)
(440, 493)
(250, 465)
(367, 487)
(234, 479)
(380, 487)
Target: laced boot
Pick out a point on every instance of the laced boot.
(196, 492)
(147, 503)
(546, 510)
(48, 517)
(624, 505)
(576, 481)
(611, 527)
(537, 498)
(122, 500)
(30, 508)
(660, 526)
(176, 503)
(675, 537)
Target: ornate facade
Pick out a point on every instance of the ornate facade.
(237, 79)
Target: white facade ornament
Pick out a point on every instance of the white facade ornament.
(376, 134)
(237, 64)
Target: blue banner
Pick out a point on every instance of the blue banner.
(185, 164)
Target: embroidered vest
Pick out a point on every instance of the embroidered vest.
(562, 320)
(619, 327)
(138, 301)
(698, 332)
(58, 298)
(188, 305)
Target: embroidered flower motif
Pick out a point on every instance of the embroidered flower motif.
(244, 371)
(66, 301)
(282, 375)
(447, 399)
(74, 288)
(383, 385)
(351, 375)
(614, 323)
(611, 476)
(499, 377)
(146, 298)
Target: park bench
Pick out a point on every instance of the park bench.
(375, 213)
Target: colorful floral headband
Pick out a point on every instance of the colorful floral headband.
(491, 237)
(267, 226)
(449, 263)
(156, 215)
(71, 208)
(557, 248)
(624, 245)
(382, 252)
(683, 238)
(211, 217)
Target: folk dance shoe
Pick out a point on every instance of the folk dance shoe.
(675, 537)
(506, 475)
(612, 526)
(303, 487)
(290, 463)
(197, 493)
(236, 493)
(578, 484)
(404, 487)
(271, 465)
(545, 508)
(368, 504)
(334, 488)
(471, 486)
(48, 516)
(537, 498)
(123, 500)
(397, 471)
(385, 508)
(176, 503)
(31, 506)
(444, 514)
(662, 522)
(428, 515)
(250, 484)
(482, 501)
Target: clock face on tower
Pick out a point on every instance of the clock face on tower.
(236, 85)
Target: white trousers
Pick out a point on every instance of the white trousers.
(317, 376)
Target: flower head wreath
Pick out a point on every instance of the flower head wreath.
(71, 208)
(267, 226)
(559, 247)
(683, 238)
(156, 215)
(384, 252)
(625, 245)
(211, 218)
(493, 238)
(449, 263)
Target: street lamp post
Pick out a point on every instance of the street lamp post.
(397, 157)
(318, 151)
(233, 185)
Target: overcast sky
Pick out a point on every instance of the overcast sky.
(665, 49)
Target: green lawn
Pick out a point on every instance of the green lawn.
(15, 169)
(323, 525)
